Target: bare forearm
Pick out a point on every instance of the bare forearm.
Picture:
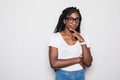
(87, 58)
(60, 63)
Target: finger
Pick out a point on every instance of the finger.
(72, 30)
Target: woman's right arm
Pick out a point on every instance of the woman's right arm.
(60, 63)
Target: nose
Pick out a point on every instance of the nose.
(74, 22)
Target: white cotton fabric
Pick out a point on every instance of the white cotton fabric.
(66, 51)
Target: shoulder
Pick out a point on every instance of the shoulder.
(54, 40)
(86, 39)
(54, 36)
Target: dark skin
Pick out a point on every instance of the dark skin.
(68, 36)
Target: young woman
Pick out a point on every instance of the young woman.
(69, 50)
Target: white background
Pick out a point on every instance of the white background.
(25, 27)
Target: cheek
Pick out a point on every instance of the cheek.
(77, 24)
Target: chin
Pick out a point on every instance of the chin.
(73, 28)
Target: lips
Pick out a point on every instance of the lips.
(73, 27)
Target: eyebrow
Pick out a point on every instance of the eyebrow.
(73, 17)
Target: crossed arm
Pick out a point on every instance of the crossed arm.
(86, 60)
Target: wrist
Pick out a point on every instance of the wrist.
(83, 43)
(78, 60)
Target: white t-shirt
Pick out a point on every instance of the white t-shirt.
(66, 51)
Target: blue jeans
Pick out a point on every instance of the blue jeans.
(70, 75)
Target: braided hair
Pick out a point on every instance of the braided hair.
(66, 12)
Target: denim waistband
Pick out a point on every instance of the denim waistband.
(82, 70)
(69, 75)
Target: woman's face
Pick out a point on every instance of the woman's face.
(72, 21)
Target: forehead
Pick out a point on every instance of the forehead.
(74, 15)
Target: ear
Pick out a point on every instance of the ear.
(64, 21)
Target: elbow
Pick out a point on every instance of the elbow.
(88, 64)
(53, 65)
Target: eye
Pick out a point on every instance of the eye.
(70, 19)
(77, 19)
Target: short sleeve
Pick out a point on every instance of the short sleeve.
(53, 40)
(86, 40)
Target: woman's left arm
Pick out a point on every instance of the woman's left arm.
(87, 57)
(86, 53)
